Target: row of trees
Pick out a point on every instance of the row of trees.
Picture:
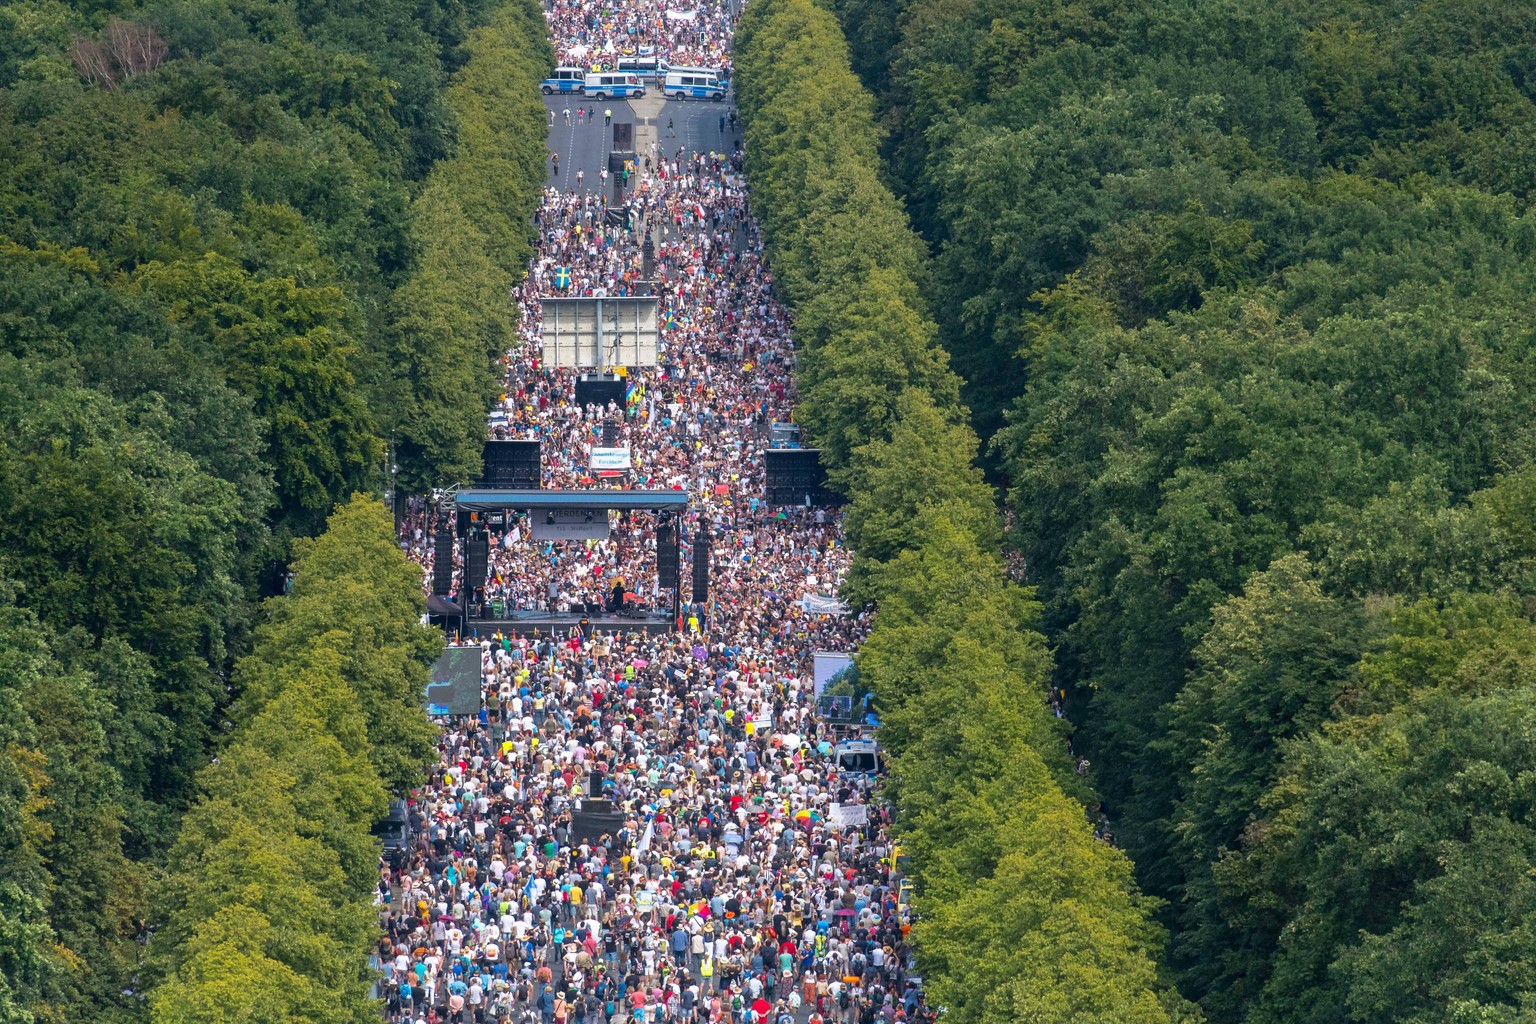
(1025, 915)
(451, 322)
(265, 911)
(1250, 287)
(241, 245)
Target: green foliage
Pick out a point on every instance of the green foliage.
(927, 463)
(285, 348)
(271, 875)
(843, 255)
(227, 272)
(1396, 838)
(451, 321)
(1241, 293)
(68, 895)
(1026, 915)
(359, 598)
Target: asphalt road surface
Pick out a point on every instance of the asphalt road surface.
(584, 147)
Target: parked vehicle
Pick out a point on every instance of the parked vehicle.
(783, 435)
(564, 80)
(857, 757)
(695, 84)
(394, 829)
(646, 67)
(619, 85)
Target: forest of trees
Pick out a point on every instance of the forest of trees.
(248, 251)
(1242, 295)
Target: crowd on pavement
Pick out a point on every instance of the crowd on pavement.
(652, 828)
(594, 33)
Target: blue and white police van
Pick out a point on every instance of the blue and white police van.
(564, 80)
(693, 84)
(616, 84)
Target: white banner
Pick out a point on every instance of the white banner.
(847, 815)
(610, 458)
(816, 604)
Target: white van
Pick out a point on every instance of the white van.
(619, 85)
(693, 83)
(645, 67)
(857, 757)
(564, 80)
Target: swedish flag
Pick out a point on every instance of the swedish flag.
(562, 277)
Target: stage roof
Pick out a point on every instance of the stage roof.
(480, 499)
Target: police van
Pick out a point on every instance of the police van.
(645, 67)
(617, 84)
(857, 757)
(564, 80)
(693, 83)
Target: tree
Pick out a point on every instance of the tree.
(927, 461)
(285, 347)
(1269, 669)
(355, 593)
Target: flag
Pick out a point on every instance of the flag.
(562, 277)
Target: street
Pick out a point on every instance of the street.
(585, 147)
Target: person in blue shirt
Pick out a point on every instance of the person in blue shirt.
(546, 1004)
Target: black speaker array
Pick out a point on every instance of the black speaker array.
(476, 554)
(442, 564)
(511, 464)
(599, 391)
(795, 474)
(610, 434)
(701, 567)
(666, 556)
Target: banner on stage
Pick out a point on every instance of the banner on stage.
(610, 458)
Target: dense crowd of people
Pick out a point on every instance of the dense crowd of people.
(652, 828)
(594, 34)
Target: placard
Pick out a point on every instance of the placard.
(610, 458)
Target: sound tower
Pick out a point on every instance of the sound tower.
(598, 390)
(701, 568)
(666, 556)
(442, 564)
(512, 464)
(794, 474)
(476, 553)
(610, 434)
